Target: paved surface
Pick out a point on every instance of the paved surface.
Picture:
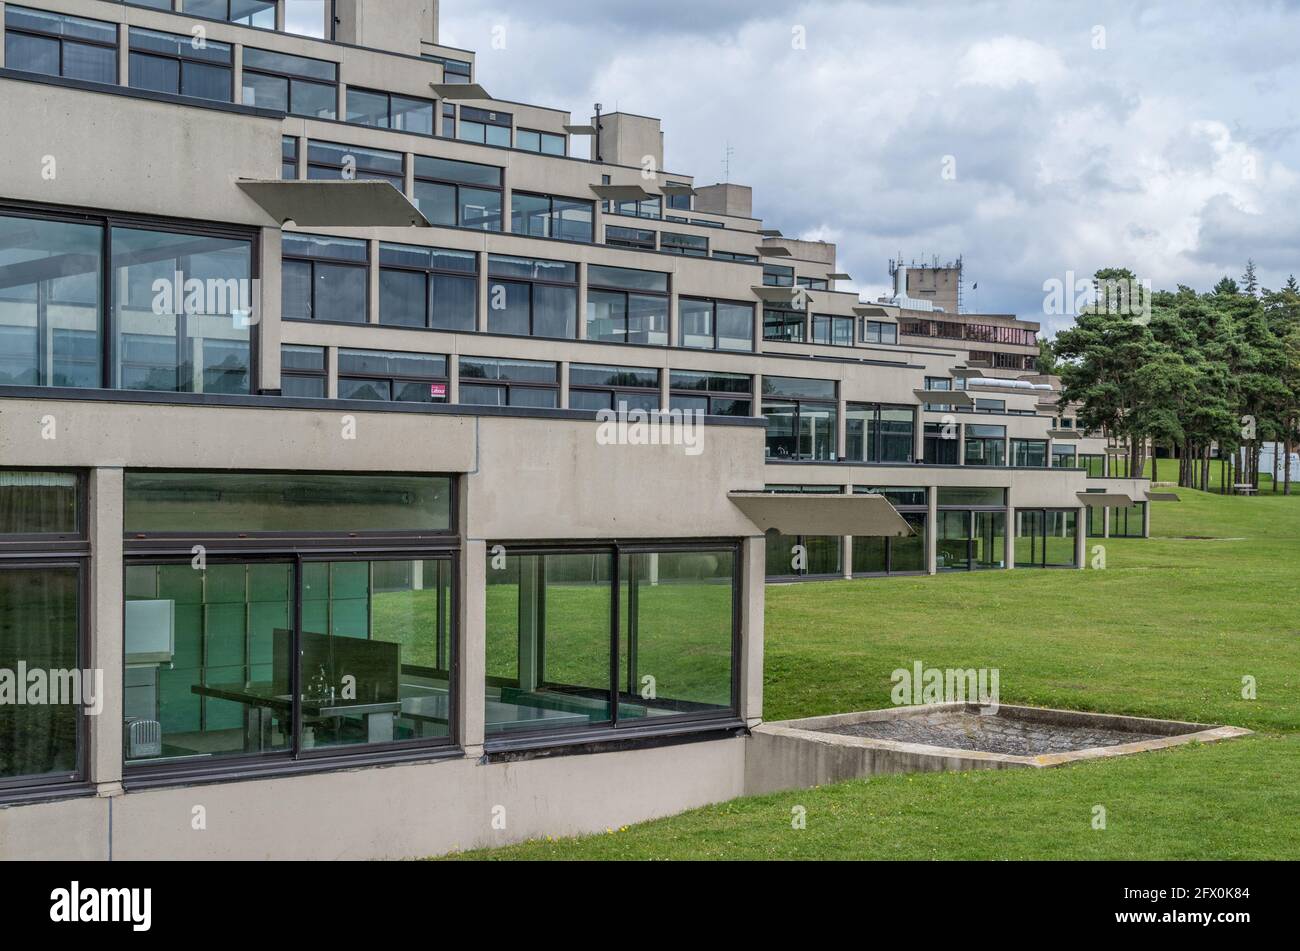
(992, 734)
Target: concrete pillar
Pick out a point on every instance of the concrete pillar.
(280, 17)
(675, 317)
(372, 282)
(582, 300)
(846, 548)
(238, 78)
(453, 378)
(332, 372)
(266, 324)
(758, 395)
(1081, 539)
(841, 428)
(753, 578)
(123, 52)
(932, 529)
(961, 444)
(1146, 519)
(484, 293)
(341, 102)
(472, 660)
(665, 387)
(1010, 555)
(564, 385)
(918, 437)
(408, 174)
(2, 22)
(1105, 523)
(104, 507)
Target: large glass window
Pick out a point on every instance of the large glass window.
(876, 433)
(59, 45)
(832, 331)
(906, 555)
(384, 110)
(941, 442)
(393, 377)
(532, 297)
(627, 306)
(1045, 538)
(551, 637)
(435, 288)
(715, 394)
(458, 194)
(549, 216)
(620, 388)
(784, 324)
(324, 278)
(297, 85)
(331, 162)
(491, 382)
(241, 503)
(485, 127)
(259, 13)
(1064, 457)
(179, 65)
(182, 314)
(1029, 453)
(51, 280)
(303, 372)
(715, 324)
(878, 331)
(547, 143)
(986, 445)
(636, 238)
(803, 556)
(802, 419)
(688, 245)
(971, 538)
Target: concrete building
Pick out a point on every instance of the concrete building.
(312, 358)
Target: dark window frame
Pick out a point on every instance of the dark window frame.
(388, 96)
(62, 40)
(712, 396)
(291, 78)
(683, 248)
(499, 189)
(181, 60)
(509, 386)
(615, 390)
(872, 436)
(831, 322)
(394, 379)
(552, 217)
(430, 273)
(715, 302)
(357, 151)
(312, 283)
(532, 283)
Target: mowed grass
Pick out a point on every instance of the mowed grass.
(1169, 628)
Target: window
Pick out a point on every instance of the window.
(58, 45)
(813, 283)
(1095, 463)
(715, 394)
(392, 377)
(891, 556)
(1128, 522)
(41, 625)
(314, 18)
(164, 62)
(614, 388)
(169, 338)
(289, 158)
(1063, 457)
(627, 306)
(802, 419)
(294, 84)
(547, 143)
(939, 384)
(803, 556)
(458, 194)
(484, 127)
(832, 331)
(324, 279)
(784, 324)
(877, 331)
(383, 110)
(619, 237)
(327, 161)
(986, 445)
(545, 216)
(690, 245)
(449, 120)
(303, 372)
(1029, 453)
(679, 201)
(1045, 538)
(453, 70)
(532, 297)
(941, 441)
(259, 13)
(490, 382)
(778, 275)
(645, 208)
(51, 299)
(986, 405)
(562, 660)
(733, 256)
(970, 540)
(876, 433)
(435, 288)
(715, 324)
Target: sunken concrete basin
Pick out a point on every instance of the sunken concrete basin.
(799, 754)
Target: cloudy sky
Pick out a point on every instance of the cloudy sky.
(1161, 136)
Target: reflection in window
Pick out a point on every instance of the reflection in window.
(50, 302)
(192, 338)
(435, 288)
(547, 216)
(802, 419)
(58, 45)
(324, 278)
(165, 62)
(490, 382)
(298, 85)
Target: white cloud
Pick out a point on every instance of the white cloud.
(1007, 60)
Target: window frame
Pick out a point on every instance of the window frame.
(552, 217)
(396, 378)
(314, 262)
(181, 60)
(499, 189)
(615, 390)
(831, 322)
(429, 273)
(532, 283)
(388, 97)
(709, 394)
(291, 78)
(509, 386)
(62, 40)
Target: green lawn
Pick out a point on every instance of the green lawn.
(1168, 629)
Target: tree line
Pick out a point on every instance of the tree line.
(1188, 372)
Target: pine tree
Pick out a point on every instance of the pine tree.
(1249, 282)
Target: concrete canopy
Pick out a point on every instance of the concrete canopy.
(780, 295)
(335, 204)
(1105, 500)
(944, 397)
(623, 192)
(456, 91)
(863, 515)
(674, 189)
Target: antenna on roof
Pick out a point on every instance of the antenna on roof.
(727, 153)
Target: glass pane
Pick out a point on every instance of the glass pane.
(454, 302)
(183, 308)
(548, 642)
(96, 64)
(206, 82)
(908, 554)
(50, 280)
(480, 208)
(312, 99)
(402, 298)
(953, 540)
(1029, 539)
(509, 305)
(37, 503)
(1059, 538)
(368, 108)
(266, 92)
(156, 73)
(696, 320)
(340, 293)
(870, 555)
(207, 656)
(675, 637)
(530, 215)
(555, 311)
(647, 319)
(781, 443)
(32, 54)
(990, 540)
(437, 203)
(39, 627)
(412, 115)
(376, 652)
(606, 316)
(203, 502)
(735, 326)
